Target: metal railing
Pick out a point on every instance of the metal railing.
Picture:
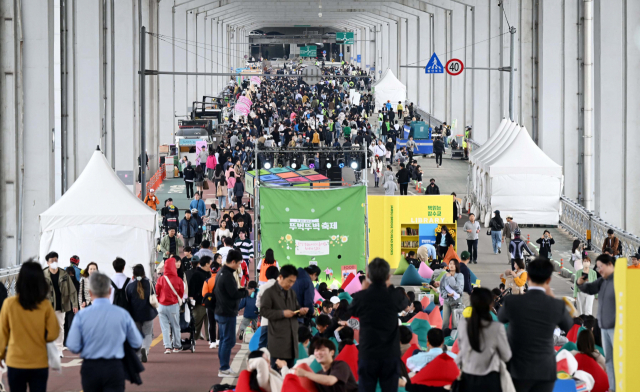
(577, 220)
(8, 277)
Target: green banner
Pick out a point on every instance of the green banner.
(322, 225)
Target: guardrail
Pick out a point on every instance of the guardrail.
(577, 220)
(155, 181)
(8, 277)
(474, 144)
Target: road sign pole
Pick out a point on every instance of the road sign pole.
(512, 30)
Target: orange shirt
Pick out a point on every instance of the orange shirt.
(634, 266)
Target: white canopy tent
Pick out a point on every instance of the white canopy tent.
(510, 173)
(389, 88)
(99, 219)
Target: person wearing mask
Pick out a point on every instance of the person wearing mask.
(432, 188)
(27, 323)
(189, 174)
(443, 241)
(228, 297)
(188, 228)
(197, 281)
(535, 316)
(198, 204)
(98, 334)
(84, 296)
(170, 291)
(603, 286)
(62, 294)
(377, 306)
(545, 244)
(515, 280)
(143, 312)
(483, 344)
(496, 225)
(403, 178)
(304, 288)
(170, 244)
(451, 288)
(335, 376)
(508, 234)
(472, 228)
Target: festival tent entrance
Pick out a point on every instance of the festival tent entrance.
(513, 175)
(388, 87)
(99, 219)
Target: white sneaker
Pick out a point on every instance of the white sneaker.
(227, 374)
(213, 345)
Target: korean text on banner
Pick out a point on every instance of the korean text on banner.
(255, 80)
(312, 248)
(243, 106)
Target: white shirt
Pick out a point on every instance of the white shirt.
(118, 279)
(223, 252)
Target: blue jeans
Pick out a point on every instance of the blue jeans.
(169, 323)
(607, 342)
(227, 332)
(496, 240)
(263, 336)
(222, 202)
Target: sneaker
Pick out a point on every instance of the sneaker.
(143, 355)
(177, 350)
(227, 374)
(167, 351)
(213, 345)
(499, 250)
(61, 354)
(241, 336)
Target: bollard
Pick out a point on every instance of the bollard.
(561, 264)
(528, 239)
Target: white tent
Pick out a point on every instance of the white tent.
(388, 87)
(99, 219)
(512, 174)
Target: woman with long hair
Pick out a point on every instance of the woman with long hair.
(496, 225)
(220, 233)
(199, 180)
(515, 280)
(483, 344)
(27, 323)
(451, 287)
(221, 193)
(376, 168)
(576, 255)
(587, 345)
(268, 261)
(139, 292)
(84, 296)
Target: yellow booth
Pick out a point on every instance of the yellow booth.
(400, 224)
(626, 339)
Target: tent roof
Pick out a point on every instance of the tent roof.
(388, 79)
(476, 154)
(389, 88)
(98, 196)
(523, 156)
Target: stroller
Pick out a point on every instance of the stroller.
(190, 328)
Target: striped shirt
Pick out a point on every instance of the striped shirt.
(245, 247)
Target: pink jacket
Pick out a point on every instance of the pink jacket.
(231, 182)
(211, 162)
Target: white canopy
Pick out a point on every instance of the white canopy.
(510, 173)
(389, 88)
(99, 219)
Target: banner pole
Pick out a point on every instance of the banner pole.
(256, 214)
(366, 212)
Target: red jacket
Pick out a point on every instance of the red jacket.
(166, 296)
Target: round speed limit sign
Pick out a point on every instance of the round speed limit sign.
(454, 67)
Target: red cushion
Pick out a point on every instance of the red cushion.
(347, 281)
(420, 316)
(307, 384)
(243, 381)
(424, 302)
(435, 318)
(349, 354)
(292, 383)
(572, 335)
(438, 373)
(414, 340)
(589, 365)
(409, 353)
(455, 348)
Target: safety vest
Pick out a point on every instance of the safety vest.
(263, 270)
(351, 84)
(464, 144)
(342, 62)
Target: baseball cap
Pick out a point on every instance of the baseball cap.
(510, 216)
(465, 255)
(334, 299)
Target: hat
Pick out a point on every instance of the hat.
(465, 255)
(74, 259)
(151, 190)
(510, 216)
(334, 299)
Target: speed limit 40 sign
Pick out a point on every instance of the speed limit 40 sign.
(454, 67)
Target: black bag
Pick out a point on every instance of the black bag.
(132, 365)
(120, 295)
(209, 300)
(221, 388)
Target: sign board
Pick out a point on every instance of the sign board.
(434, 65)
(346, 38)
(340, 54)
(454, 67)
(312, 74)
(308, 51)
(324, 52)
(359, 58)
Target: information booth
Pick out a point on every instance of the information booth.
(421, 133)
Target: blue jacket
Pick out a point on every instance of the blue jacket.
(304, 289)
(199, 204)
(249, 305)
(183, 227)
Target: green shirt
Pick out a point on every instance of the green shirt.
(347, 130)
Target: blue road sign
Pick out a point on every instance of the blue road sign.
(340, 54)
(324, 52)
(434, 65)
(359, 58)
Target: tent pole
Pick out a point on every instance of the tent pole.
(142, 157)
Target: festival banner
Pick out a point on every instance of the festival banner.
(324, 226)
(243, 105)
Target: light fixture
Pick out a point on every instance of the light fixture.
(354, 165)
(294, 165)
(328, 165)
(267, 165)
(341, 163)
(311, 162)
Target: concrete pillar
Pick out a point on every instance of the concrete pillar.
(632, 118)
(191, 51)
(180, 60)
(481, 98)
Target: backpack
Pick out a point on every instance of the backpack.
(120, 295)
(209, 299)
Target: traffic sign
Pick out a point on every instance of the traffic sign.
(324, 52)
(346, 38)
(359, 58)
(434, 65)
(308, 51)
(454, 67)
(340, 54)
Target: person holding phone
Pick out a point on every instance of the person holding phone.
(584, 301)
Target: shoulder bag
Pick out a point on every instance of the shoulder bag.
(153, 298)
(174, 290)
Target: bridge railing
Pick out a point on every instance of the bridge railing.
(8, 277)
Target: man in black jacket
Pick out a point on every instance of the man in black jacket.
(200, 275)
(403, 177)
(432, 189)
(535, 316)
(228, 297)
(377, 307)
(438, 149)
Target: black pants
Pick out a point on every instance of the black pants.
(533, 385)
(189, 185)
(68, 319)
(383, 370)
(102, 375)
(20, 378)
(472, 247)
(403, 189)
(442, 251)
(489, 382)
(410, 156)
(212, 326)
(238, 202)
(439, 158)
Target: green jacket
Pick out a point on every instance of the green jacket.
(576, 275)
(68, 293)
(164, 245)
